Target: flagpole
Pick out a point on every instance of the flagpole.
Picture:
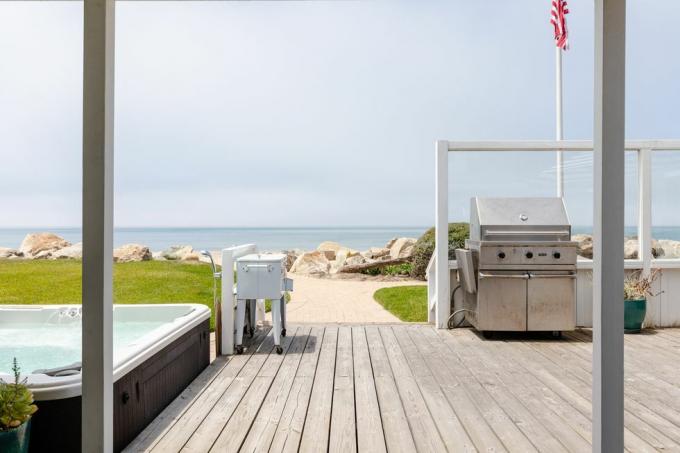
(558, 120)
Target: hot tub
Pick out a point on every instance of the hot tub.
(158, 350)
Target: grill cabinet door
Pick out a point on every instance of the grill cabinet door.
(502, 298)
(551, 301)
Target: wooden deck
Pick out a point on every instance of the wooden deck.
(413, 388)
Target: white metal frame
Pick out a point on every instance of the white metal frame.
(644, 149)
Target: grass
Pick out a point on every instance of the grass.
(148, 282)
(408, 303)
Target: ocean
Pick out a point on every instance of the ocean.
(267, 239)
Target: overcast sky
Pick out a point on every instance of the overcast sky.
(318, 113)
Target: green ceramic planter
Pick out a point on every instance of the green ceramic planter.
(634, 315)
(16, 440)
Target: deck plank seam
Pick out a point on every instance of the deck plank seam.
(256, 345)
(499, 435)
(259, 406)
(370, 360)
(237, 403)
(316, 366)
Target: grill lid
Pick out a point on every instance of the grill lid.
(519, 219)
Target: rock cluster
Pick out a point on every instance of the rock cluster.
(53, 247)
(329, 257)
(332, 258)
(663, 248)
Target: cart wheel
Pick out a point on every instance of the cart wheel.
(557, 334)
(239, 349)
(486, 334)
(279, 350)
(283, 332)
(251, 332)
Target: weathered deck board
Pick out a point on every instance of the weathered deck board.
(317, 424)
(343, 418)
(413, 388)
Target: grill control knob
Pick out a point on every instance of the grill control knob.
(501, 255)
(556, 255)
(529, 255)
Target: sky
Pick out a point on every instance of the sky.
(320, 113)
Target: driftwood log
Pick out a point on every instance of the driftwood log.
(354, 268)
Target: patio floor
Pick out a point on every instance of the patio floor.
(413, 388)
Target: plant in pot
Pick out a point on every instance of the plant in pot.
(636, 289)
(16, 409)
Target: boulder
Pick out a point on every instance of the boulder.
(671, 249)
(131, 252)
(45, 254)
(74, 251)
(402, 248)
(390, 243)
(177, 252)
(311, 263)
(338, 263)
(334, 248)
(330, 254)
(291, 256)
(37, 243)
(585, 245)
(9, 253)
(376, 252)
(630, 249)
(354, 260)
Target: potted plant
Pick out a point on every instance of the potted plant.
(636, 289)
(16, 409)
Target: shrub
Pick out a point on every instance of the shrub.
(394, 269)
(16, 402)
(424, 247)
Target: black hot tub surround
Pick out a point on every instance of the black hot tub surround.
(138, 396)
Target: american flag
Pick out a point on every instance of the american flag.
(557, 18)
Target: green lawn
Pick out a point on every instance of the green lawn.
(408, 303)
(148, 282)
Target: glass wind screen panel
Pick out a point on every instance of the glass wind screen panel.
(497, 174)
(665, 204)
(578, 197)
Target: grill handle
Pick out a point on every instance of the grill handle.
(525, 232)
(260, 266)
(571, 276)
(520, 276)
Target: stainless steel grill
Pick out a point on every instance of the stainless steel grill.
(518, 270)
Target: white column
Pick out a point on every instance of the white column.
(97, 345)
(559, 134)
(608, 274)
(443, 308)
(227, 302)
(645, 209)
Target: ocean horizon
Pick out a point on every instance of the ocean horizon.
(215, 238)
(267, 239)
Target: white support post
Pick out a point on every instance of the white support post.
(443, 308)
(645, 209)
(229, 256)
(608, 271)
(97, 327)
(227, 310)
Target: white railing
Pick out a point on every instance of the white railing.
(663, 310)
